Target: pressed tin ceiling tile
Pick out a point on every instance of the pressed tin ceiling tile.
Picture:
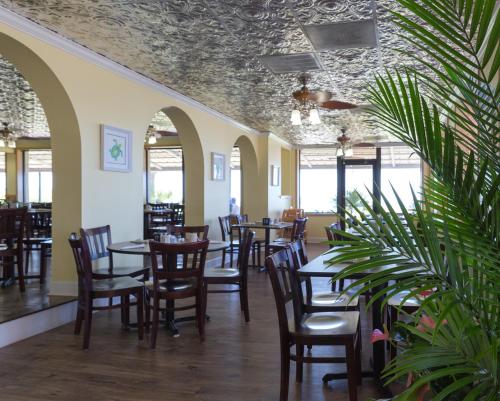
(209, 50)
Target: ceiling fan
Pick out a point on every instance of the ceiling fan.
(7, 136)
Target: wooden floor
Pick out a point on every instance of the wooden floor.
(237, 362)
(15, 304)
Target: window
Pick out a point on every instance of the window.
(400, 167)
(165, 174)
(38, 175)
(3, 176)
(235, 201)
(318, 180)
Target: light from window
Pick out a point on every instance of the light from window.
(3, 176)
(318, 180)
(235, 206)
(165, 175)
(401, 168)
(39, 175)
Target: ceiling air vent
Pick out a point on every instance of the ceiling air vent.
(343, 35)
(291, 63)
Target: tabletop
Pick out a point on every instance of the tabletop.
(271, 226)
(132, 248)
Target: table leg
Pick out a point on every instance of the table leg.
(267, 240)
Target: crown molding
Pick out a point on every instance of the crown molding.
(54, 39)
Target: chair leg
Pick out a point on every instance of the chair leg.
(43, 263)
(200, 313)
(231, 253)
(140, 314)
(78, 321)
(358, 359)
(20, 272)
(299, 365)
(27, 257)
(147, 307)
(285, 372)
(253, 255)
(352, 371)
(223, 258)
(156, 320)
(127, 310)
(244, 301)
(87, 322)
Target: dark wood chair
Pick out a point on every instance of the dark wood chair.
(329, 301)
(11, 239)
(236, 277)
(38, 229)
(257, 243)
(334, 236)
(227, 233)
(98, 239)
(90, 288)
(181, 231)
(297, 232)
(310, 329)
(178, 275)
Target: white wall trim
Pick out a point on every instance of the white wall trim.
(31, 28)
(36, 323)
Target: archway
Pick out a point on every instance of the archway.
(194, 170)
(249, 178)
(66, 148)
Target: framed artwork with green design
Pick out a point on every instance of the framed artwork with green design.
(116, 149)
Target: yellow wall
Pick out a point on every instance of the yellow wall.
(99, 96)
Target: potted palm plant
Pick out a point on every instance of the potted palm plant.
(446, 252)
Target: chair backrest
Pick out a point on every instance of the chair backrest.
(178, 261)
(97, 240)
(291, 214)
(299, 253)
(246, 240)
(331, 235)
(200, 231)
(225, 227)
(39, 224)
(83, 263)
(286, 287)
(12, 223)
(298, 229)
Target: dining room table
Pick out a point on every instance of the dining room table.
(281, 225)
(321, 267)
(141, 248)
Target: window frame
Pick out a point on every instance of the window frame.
(25, 173)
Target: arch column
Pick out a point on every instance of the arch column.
(66, 159)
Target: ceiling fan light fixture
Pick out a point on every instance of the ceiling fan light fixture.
(340, 152)
(296, 119)
(314, 117)
(152, 140)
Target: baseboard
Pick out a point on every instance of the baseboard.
(36, 323)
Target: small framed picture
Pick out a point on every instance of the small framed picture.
(218, 166)
(116, 149)
(275, 175)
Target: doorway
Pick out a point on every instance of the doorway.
(356, 178)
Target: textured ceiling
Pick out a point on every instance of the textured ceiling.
(208, 50)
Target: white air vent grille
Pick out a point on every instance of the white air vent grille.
(291, 63)
(343, 35)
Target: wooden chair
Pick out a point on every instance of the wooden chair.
(308, 329)
(173, 280)
(394, 306)
(289, 216)
(320, 301)
(38, 230)
(98, 239)
(226, 223)
(181, 231)
(11, 237)
(90, 288)
(297, 232)
(238, 276)
(333, 236)
(257, 243)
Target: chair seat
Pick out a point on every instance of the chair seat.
(218, 272)
(397, 300)
(173, 285)
(115, 284)
(120, 271)
(327, 324)
(334, 299)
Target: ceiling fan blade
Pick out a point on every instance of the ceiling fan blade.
(337, 105)
(321, 96)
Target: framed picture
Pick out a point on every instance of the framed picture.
(116, 149)
(218, 166)
(275, 175)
